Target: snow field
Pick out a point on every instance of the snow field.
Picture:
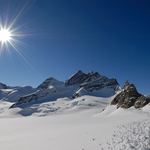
(78, 124)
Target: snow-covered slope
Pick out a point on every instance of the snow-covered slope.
(12, 94)
(87, 123)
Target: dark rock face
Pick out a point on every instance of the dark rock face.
(91, 81)
(31, 97)
(75, 95)
(3, 86)
(46, 83)
(25, 99)
(98, 83)
(76, 79)
(130, 97)
(141, 101)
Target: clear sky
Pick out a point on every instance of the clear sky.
(60, 37)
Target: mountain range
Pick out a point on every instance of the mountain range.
(86, 112)
(77, 85)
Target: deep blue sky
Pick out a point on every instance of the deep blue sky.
(111, 37)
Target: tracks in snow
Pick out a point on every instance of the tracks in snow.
(135, 135)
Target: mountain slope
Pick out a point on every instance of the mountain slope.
(12, 94)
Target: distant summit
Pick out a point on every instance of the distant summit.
(3, 86)
(75, 79)
(46, 83)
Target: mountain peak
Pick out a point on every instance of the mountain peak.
(126, 85)
(3, 86)
(79, 71)
(46, 83)
(75, 79)
(77, 74)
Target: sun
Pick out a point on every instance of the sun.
(10, 35)
(5, 35)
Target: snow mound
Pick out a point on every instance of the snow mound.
(86, 103)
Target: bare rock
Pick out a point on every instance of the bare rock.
(130, 97)
(3, 86)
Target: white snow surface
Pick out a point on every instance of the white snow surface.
(79, 124)
(14, 93)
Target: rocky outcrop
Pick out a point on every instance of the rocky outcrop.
(75, 95)
(141, 101)
(130, 97)
(31, 97)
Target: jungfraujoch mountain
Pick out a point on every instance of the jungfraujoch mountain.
(77, 85)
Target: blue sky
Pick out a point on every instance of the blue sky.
(111, 37)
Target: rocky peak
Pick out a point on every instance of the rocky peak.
(130, 97)
(3, 86)
(93, 75)
(75, 79)
(80, 77)
(91, 81)
(126, 85)
(130, 90)
(46, 83)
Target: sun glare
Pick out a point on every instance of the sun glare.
(4, 35)
(9, 35)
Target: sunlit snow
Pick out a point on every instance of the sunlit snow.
(85, 123)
